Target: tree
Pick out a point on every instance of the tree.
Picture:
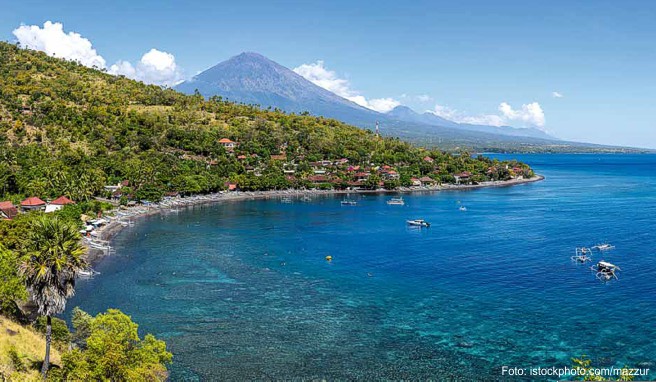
(114, 351)
(12, 287)
(53, 259)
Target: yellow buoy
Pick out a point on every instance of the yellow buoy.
(329, 258)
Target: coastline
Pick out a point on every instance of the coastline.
(109, 231)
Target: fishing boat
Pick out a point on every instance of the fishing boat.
(87, 273)
(462, 208)
(581, 255)
(418, 223)
(605, 270)
(396, 202)
(348, 202)
(603, 247)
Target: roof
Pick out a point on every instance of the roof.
(8, 209)
(225, 140)
(279, 157)
(428, 159)
(427, 179)
(62, 200)
(32, 201)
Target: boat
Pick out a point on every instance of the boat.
(581, 255)
(603, 247)
(348, 202)
(418, 223)
(462, 208)
(396, 202)
(605, 270)
(87, 273)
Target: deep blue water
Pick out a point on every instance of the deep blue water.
(243, 290)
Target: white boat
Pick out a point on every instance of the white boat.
(603, 247)
(462, 208)
(606, 271)
(348, 202)
(87, 273)
(286, 200)
(418, 223)
(396, 202)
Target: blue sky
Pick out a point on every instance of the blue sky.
(461, 59)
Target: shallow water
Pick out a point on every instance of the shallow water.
(243, 290)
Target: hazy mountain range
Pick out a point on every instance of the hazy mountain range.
(254, 79)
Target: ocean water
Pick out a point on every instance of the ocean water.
(242, 291)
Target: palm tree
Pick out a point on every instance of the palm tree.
(54, 257)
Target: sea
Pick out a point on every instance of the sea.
(244, 290)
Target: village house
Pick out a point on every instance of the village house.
(465, 175)
(426, 181)
(58, 204)
(7, 210)
(279, 157)
(231, 186)
(33, 203)
(361, 176)
(415, 182)
(228, 144)
(428, 159)
(316, 179)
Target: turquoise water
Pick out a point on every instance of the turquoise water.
(243, 290)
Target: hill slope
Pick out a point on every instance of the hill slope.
(67, 129)
(27, 346)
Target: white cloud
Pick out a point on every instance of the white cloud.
(52, 40)
(529, 115)
(329, 80)
(424, 98)
(557, 95)
(155, 67)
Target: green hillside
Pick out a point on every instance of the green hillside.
(67, 129)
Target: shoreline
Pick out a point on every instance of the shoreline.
(114, 227)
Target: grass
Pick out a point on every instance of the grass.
(21, 352)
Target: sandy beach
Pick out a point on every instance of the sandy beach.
(121, 218)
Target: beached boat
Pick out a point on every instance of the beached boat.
(418, 223)
(396, 202)
(348, 202)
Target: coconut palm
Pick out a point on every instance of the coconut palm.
(54, 257)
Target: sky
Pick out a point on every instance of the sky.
(580, 70)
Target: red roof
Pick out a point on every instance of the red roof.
(426, 179)
(8, 209)
(464, 174)
(62, 200)
(32, 201)
(428, 159)
(225, 140)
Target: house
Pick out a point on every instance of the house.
(318, 179)
(428, 159)
(390, 175)
(58, 204)
(279, 157)
(33, 203)
(242, 157)
(231, 186)
(228, 144)
(426, 181)
(465, 175)
(8, 210)
(362, 175)
(415, 182)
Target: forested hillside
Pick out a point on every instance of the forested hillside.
(69, 130)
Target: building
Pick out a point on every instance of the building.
(33, 203)
(465, 175)
(228, 144)
(428, 159)
(58, 204)
(426, 181)
(7, 210)
(415, 182)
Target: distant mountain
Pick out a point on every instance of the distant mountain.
(254, 79)
(404, 113)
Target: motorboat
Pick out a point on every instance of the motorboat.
(418, 223)
(348, 202)
(396, 202)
